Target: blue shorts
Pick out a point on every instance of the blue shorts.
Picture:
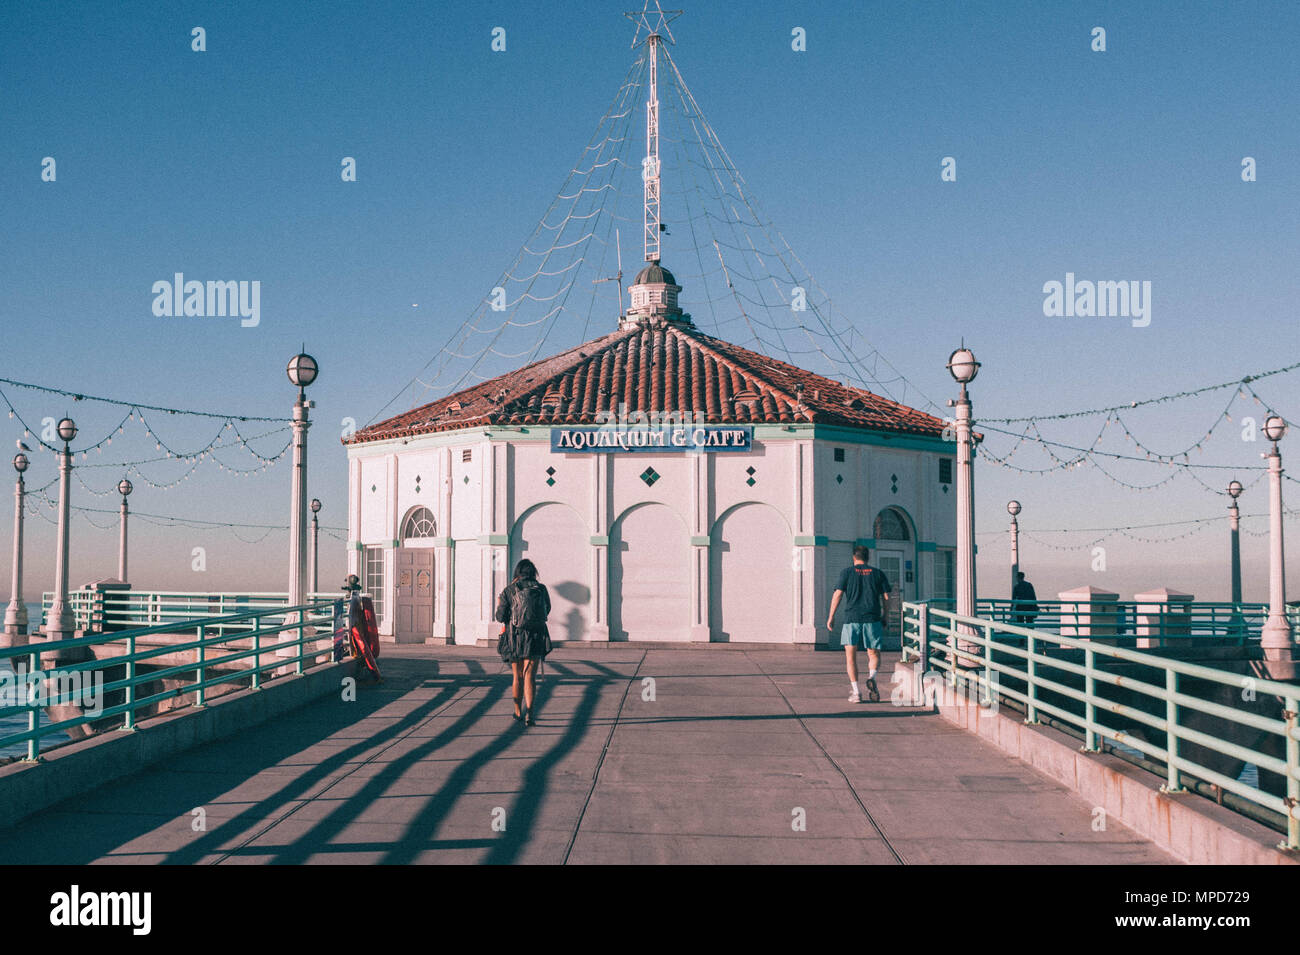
(870, 636)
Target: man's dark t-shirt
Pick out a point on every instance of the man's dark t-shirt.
(863, 586)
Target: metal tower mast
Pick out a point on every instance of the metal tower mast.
(650, 165)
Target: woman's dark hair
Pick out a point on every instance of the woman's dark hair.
(526, 568)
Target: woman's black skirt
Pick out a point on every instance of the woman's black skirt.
(515, 646)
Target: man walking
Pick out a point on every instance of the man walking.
(863, 590)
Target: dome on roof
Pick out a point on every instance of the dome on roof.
(654, 273)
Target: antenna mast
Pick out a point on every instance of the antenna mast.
(616, 278)
(650, 165)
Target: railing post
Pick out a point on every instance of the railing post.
(129, 722)
(952, 652)
(923, 649)
(1174, 783)
(1031, 670)
(199, 696)
(1292, 771)
(1090, 707)
(257, 652)
(301, 646)
(34, 710)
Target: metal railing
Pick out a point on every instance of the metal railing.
(249, 647)
(1225, 622)
(98, 610)
(1143, 700)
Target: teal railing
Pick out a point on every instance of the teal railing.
(124, 609)
(1144, 701)
(1225, 622)
(252, 646)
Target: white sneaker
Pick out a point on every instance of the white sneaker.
(855, 697)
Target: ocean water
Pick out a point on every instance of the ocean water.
(17, 722)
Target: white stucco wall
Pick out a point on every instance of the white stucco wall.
(725, 553)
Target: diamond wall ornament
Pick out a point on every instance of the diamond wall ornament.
(650, 475)
(839, 479)
(893, 478)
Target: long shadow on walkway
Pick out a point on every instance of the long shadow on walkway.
(158, 793)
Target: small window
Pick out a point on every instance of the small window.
(890, 526)
(375, 579)
(839, 455)
(945, 470)
(944, 574)
(467, 455)
(419, 524)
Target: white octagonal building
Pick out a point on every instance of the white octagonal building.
(670, 487)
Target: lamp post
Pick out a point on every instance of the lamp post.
(1013, 508)
(1275, 638)
(124, 488)
(963, 368)
(302, 371)
(16, 614)
(60, 624)
(315, 540)
(1234, 540)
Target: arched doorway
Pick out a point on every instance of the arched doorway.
(649, 575)
(555, 538)
(751, 577)
(413, 601)
(896, 556)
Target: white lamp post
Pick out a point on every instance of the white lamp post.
(16, 614)
(302, 371)
(60, 624)
(315, 541)
(1013, 508)
(124, 488)
(1234, 540)
(963, 367)
(1275, 638)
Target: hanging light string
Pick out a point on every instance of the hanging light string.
(1032, 435)
(219, 442)
(160, 520)
(1238, 383)
(138, 406)
(229, 423)
(1126, 530)
(1083, 454)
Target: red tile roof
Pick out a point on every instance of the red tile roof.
(664, 368)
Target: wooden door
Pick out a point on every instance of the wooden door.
(413, 620)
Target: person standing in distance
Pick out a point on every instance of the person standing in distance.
(864, 591)
(1024, 601)
(525, 640)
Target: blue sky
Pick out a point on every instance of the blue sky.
(1122, 165)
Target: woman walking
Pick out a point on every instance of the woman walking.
(523, 607)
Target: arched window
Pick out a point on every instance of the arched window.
(419, 523)
(891, 526)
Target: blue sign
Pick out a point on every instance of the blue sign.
(667, 438)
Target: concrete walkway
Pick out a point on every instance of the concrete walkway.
(733, 750)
